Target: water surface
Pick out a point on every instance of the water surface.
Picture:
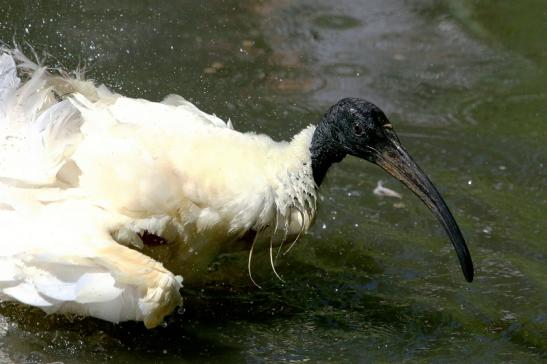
(464, 83)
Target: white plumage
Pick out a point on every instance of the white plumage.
(85, 173)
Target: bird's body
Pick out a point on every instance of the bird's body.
(100, 171)
(107, 202)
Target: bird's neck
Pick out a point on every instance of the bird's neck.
(324, 152)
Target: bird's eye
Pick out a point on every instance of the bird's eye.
(358, 129)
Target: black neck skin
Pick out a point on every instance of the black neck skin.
(324, 152)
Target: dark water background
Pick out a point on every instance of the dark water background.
(464, 83)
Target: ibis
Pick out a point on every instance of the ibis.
(107, 202)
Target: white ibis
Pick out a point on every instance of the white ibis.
(107, 201)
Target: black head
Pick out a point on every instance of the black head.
(359, 128)
(352, 126)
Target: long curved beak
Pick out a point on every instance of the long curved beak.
(394, 159)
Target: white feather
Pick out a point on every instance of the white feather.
(8, 84)
(8, 271)
(84, 177)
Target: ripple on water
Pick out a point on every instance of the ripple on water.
(340, 22)
(295, 85)
(345, 70)
(478, 109)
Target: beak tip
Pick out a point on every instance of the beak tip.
(469, 277)
(468, 269)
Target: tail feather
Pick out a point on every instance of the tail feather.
(39, 129)
(24, 63)
(34, 94)
(34, 154)
(33, 97)
(9, 82)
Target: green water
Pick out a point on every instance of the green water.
(464, 83)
